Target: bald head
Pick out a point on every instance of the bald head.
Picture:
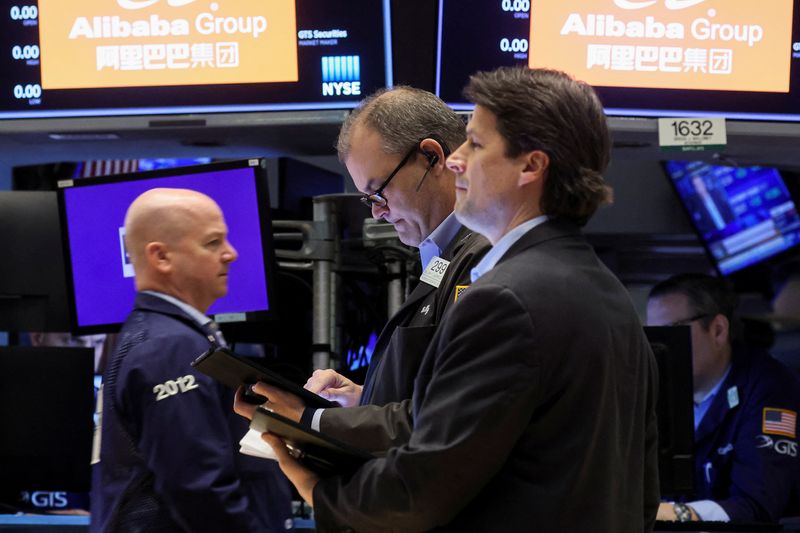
(163, 215)
(178, 243)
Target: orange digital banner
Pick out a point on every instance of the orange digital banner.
(725, 45)
(146, 43)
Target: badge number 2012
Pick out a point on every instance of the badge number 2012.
(173, 387)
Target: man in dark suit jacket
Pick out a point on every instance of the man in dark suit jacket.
(534, 407)
(168, 456)
(394, 145)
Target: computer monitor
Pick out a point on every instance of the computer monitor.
(46, 406)
(131, 57)
(732, 58)
(672, 346)
(99, 274)
(299, 183)
(33, 287)
(743, 216)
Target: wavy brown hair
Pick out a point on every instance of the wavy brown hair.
(547, 110)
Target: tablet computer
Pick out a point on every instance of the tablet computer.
(234, 370)
(319, 452)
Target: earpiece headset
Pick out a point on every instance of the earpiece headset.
(432, 158)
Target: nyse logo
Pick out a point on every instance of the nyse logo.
(341, 75)
(141, 4)
(673, 5)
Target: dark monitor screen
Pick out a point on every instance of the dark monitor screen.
(46, 405)
(299, 182)
(672, 346)
(33, 288)
(743, 215)
(734, 58)
(150, 57)
(100, 275)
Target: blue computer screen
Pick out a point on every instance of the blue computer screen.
(102, 277)
(743, 215)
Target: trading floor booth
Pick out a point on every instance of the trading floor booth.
(243, 100)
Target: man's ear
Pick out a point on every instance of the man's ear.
(434, 153)
(720, 328)
(158, 256)
(536, 165)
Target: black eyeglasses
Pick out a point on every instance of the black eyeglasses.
(687, 321)
(377, 199)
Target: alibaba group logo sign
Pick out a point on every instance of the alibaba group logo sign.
(141, 4)
(673, 5)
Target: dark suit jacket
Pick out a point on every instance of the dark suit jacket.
(169, 457)
(534, 409)
(398, 353)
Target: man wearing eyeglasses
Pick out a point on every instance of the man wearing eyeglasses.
(534, 407)
(745, 410)
(394, 145)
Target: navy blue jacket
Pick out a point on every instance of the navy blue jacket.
(748, 471)
(169, 457)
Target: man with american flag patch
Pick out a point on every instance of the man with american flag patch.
(746, 451)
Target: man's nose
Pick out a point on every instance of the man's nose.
(230, 254)
(456, 162)
(379, 211)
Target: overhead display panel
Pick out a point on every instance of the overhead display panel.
(242, 41)
(674, 44)
(135, 57)
(735, 58)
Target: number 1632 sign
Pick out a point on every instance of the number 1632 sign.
(692, 134)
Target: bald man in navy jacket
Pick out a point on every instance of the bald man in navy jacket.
(169, 456)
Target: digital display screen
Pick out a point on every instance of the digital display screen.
(102, 278)
(743, 215)
(115, 57)
(46, 459)
(736, 58)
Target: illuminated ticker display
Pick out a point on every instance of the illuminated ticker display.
(735, 58)
(115, 57)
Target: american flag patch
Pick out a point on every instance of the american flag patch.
(459, 290)
(779, 422)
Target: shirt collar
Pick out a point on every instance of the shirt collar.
(439, 239)
(713, 392)
(501, 247)
(196, 315)
(701, 408)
